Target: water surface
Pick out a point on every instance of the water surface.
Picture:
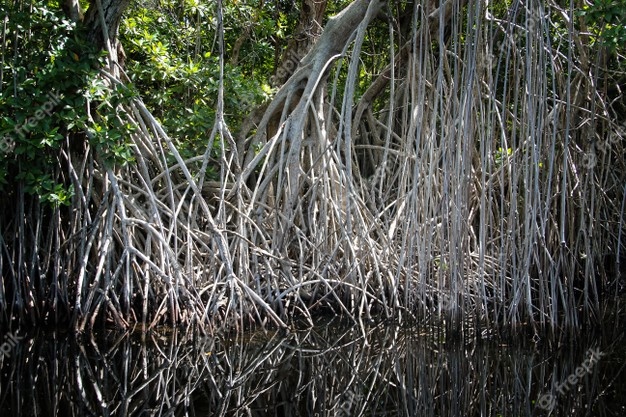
(334, 369)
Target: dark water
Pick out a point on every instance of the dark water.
(335, 369)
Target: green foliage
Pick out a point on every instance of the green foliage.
(608, 20)
(502, 155)
(53, 97)
(172, 59)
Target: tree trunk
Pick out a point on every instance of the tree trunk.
(110, 14)
(73, 10)
(99, 12)
(300, 71)
(306, 34)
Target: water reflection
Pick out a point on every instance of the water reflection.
(333, 370)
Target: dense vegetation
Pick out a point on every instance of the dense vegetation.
(251, 161)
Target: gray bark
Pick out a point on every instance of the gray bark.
(103, 19)
(311, 69)
(73, 10)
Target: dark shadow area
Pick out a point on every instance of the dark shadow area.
(334, 369)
